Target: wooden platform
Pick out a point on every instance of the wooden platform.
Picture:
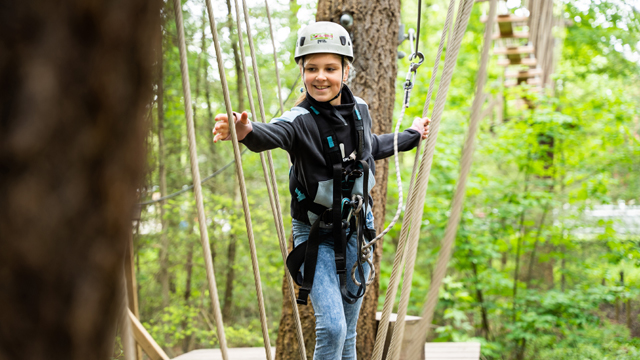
(433, 351)
(523, 74)
(516, 83)
(518, 61)
(234, 354)
(514, 50)
(452, 351)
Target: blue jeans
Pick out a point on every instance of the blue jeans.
(336, 319)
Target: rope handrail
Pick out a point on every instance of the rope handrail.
(458, 199)
(269, 171)
(457, 34)
(195, 170)
(217, 172)
(392, 288)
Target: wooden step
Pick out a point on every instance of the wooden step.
(512, 35)
(519, 61)
(514, 50)
(506, 18)
(523, 74)
(516, 83)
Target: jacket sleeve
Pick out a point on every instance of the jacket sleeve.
(277, 134)
(382, 145)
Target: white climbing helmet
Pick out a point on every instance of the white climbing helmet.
(324, 37)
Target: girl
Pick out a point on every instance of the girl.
(328, 137)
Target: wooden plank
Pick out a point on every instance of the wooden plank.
(514, 50)
(529, 82)
(234, 354)
(506, 18)
(513, 35)
(150, 346)
(523, 74)
(452, 351)
(520, 61)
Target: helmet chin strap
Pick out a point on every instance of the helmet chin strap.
(341, 83)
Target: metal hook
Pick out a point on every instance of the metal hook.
(415, 66)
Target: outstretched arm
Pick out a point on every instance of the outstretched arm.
(256, 136)
(382, 145)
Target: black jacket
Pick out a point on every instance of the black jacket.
(297, 132)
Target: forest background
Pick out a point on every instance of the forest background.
(543, 267)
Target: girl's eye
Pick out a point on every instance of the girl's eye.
(311, 69)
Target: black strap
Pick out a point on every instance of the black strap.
(310, 247)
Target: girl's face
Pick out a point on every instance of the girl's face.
(323, 76)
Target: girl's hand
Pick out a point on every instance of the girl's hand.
(221, 130)
(421, 125)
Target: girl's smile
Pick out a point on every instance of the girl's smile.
(323, 76)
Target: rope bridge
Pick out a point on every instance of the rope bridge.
(405, 255)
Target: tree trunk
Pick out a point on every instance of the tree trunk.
(75, 82)
(374, 34)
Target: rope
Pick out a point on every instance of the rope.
(275, 56)
(195, 171)
(408, 86)
(272, 188)
(392, 288)
(217, 172)
(458, 199)
(187, 188)
(423, 177)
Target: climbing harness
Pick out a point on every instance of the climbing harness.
(346, 211)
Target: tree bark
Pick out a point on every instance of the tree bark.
(374, 34)
(75, 83)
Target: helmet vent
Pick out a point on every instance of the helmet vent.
(343, 40)
(301, 41)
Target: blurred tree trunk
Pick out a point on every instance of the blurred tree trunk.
(374, 34)
(75, 84)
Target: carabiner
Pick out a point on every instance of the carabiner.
(415, 66)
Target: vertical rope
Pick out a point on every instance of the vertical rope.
(458, 199)
(245, 201)
(195, 171)
(392, 288)
(450, 61)
(268, 169)
(275, 55)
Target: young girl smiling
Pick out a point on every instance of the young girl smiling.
(328, 137)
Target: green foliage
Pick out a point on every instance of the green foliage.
(529, 260)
